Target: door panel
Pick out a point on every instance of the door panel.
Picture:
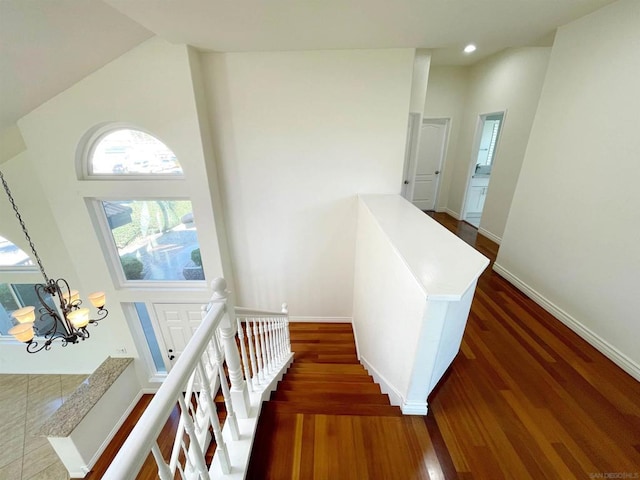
(433, 136)
(177, 323)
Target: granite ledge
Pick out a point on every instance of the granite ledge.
(82, 400)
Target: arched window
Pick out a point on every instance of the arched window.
(12, 256)
(127, 151)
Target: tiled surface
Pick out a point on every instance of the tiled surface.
(26, 401)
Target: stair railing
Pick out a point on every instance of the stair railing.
(210, 361)
(266, 337)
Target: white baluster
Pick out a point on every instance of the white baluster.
(228, 402)
(281, 338)
(272, 341)
(263, 343)
(194, 445)
(239, 391)
(285, 310)
(256, 336)
(221, 446)
(164, 472)
(279, 323)
(252, 353)
(243, 351)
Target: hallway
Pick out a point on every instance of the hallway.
(526, 397)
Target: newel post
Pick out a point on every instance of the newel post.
(239, 391)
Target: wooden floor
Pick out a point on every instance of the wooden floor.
(527, 397)
(329, 420)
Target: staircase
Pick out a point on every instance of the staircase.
(328, 419)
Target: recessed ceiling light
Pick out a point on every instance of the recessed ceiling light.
(470, 48)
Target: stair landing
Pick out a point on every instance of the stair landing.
(328, 419)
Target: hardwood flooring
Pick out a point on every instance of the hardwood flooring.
(527, 398)
(329, 420)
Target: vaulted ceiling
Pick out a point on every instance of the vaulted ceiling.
(48, 45)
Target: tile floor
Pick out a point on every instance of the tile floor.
(26, 401)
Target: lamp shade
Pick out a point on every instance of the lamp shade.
(24, 315)
(71, 296)
(22, 332)
(79, 318)
(97, 299)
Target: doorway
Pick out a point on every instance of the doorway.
(484, 154)
(424, 163)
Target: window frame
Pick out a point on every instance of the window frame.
(93, 138)
(101, 224)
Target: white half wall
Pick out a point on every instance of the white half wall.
(297, 135)
(572, 235)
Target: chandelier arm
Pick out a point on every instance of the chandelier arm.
(102, 312)
(45, 310)
(24, 227)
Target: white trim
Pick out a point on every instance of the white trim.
(394, 396)
(455, 215)
(321, 319)
(600, 344)
(114, 430)
(421, 408)
(489, 235)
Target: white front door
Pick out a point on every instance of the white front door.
(431, 147)
(177, 323)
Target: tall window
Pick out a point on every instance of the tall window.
(155, 240)
(131, 152)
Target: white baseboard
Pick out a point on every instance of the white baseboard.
(489, 235)
(455, 215)
(394, 396)
(321, 319)
(414, 408)
(608, 350)
(114, 430)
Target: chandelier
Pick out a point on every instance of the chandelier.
(69, 323)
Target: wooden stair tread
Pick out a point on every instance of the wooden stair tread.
(320, 386)
(331, 397)
(328, 377)
(329, 367)
(323, 408)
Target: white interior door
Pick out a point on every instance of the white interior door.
(177, 323)
(431, 147)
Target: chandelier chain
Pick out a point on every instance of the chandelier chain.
(24, 227)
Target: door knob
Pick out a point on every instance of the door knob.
(406, 182)
(437, 172)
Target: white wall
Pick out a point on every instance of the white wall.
(149, 87)
(572, 235)
(446, 98)
(28, 192)
(297, 136)
(510, 80)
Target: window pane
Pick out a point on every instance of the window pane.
(12, 256)
(19, 295)
(132, 152)
(150, 336)
(155, 239)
